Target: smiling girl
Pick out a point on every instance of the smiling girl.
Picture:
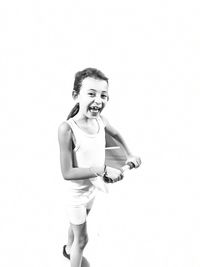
(82, 155)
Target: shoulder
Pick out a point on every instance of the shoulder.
(65, 137)
(64, 129)
(108, 127)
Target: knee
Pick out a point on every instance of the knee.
(83, 241)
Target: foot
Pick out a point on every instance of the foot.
(66, 252)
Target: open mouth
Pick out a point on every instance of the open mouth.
(95, 109)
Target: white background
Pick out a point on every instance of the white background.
(150, 50)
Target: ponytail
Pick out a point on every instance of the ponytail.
(74, 111)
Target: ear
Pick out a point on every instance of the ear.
(74, 95)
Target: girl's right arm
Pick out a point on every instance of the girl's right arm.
(66, 157)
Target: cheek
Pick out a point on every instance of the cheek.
(83, 100)
(104, 103)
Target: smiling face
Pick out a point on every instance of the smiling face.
(93, 97)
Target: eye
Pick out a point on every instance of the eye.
(104, 96)
(91, 94)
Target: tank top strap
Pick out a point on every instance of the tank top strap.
(78, 134)
(101, 123)
(72, 125)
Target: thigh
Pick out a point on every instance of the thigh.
(79, 231)
(77, 214)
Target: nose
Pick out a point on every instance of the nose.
(98, 100)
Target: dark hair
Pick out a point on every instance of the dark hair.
(79, 77)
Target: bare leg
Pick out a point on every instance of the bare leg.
(71, 237)
(79, 243)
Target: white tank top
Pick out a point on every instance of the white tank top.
(89, 152)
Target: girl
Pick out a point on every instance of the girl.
(82, 155)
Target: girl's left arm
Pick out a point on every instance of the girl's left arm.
(117, 136)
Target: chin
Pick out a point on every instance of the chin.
(94, 116)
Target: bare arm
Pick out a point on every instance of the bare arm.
(115, 134)
(66, 157)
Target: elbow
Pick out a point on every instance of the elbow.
(66, 178)
(67, 175)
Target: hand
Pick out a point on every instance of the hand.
(112, 175)
(135, 160)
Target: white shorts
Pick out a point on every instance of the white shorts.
(77, 213)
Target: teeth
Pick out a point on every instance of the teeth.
(95, 108)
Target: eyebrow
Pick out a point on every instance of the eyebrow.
(96, 90)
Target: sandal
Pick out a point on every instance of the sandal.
(65, 254)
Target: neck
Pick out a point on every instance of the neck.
(83, 118)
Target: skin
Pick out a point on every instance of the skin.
(93, 93)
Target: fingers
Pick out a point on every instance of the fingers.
(139, 161)
(112, 175)
(136, 161)
(113, 180)
(119, 178)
